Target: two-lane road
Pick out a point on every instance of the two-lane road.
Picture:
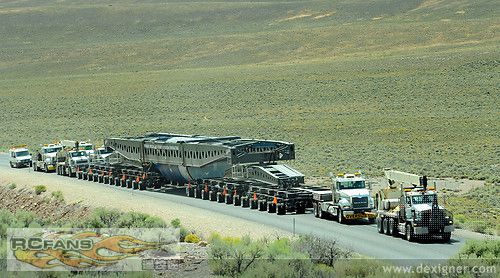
(362, 238)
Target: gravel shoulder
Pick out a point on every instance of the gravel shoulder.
(97, 195)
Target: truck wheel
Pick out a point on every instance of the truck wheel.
(409, 233)
(11, 166)
(391, 229)
(315, 210)
(34, 167)
(385, 226)
(70, 173)
(340, 216)
(31, 163)
(446, 237)
(380, 228)
(45, 169)
(320, 213)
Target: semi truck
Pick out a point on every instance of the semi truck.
(347, 199)
(408, 206)
(19, 156)
(71, 158)
(45, 159)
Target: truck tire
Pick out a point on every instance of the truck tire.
(34, 167)
(392, 228)
(340, 216)
(45, 168)
(320, 213)
(11, 166)
(315, 210)
(31, 163)
(380, 227)
(70, 173)
(445, 237)
(387, 228)
(409, 235)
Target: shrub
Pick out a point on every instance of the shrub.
(183, 232)
(192, 238)
(12, 186)
(58, 196)
(478, 226)
(176, 223)
(39, 189)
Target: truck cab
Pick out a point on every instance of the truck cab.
(409, 207)
(88, 148)
(45, 159)
(19, 157)
(69, 161)
(349, 198)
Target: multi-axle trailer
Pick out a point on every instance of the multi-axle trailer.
(230, 170)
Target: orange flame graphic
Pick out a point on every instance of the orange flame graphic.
(123, 246)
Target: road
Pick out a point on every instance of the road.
(362, 238)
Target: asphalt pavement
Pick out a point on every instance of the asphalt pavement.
(360, 237)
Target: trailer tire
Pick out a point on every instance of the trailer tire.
(281, 209)
(254, 204)
(117, 181)
(205, 195)
(315, 210)
(262, 205)
(409, 233)
(244, 202)
(300, 208)
(237, 200)
(128, 183)
(134, 185)
(380, 228)
(220, 199)
(212, 196)
(271, 208)
(228, 199)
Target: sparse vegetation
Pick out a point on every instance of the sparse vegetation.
(355, 84)
(12, 186)
(476, 210)
(58, 195)
(39, 189)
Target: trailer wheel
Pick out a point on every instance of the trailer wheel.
(380, 228)
(244, 202)
(237, 200)
(300, 208)
(262, 205)
(409, 233)
(254, 204)
(315, 210)
(271, 208)
(281, 209)
(445, 237)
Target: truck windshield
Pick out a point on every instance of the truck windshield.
(351, 184)
(51, 150)
(23, 153)
(77, 154)
(105, 151)
(423, 199)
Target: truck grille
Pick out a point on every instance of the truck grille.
(359, 202)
